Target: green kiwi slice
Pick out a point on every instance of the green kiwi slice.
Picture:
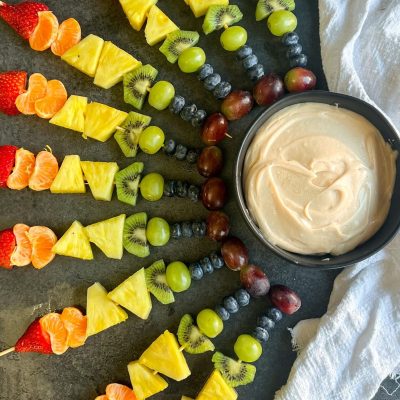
(156, 281)
(234, 372)
(176, 42)
(134, 236)
(266, 7)
(218, 17)
(137, 83)
(127, 183)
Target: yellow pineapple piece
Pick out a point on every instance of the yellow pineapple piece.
(74, 243)
(102, 121)
(69, 178)
(85, 55)
(217, 389)
(200, 7)
(136, 11)
(72, 114)
(144, 381)
(158, 26)
(102, 313)
(164, 356)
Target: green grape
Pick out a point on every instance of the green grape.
(157, 231)
(247, 348)
(161, 94)
(151, 139)
(233, 38)
(191, 59)
(281, 22)
(178, 276)
(152, 187)
(209, 323)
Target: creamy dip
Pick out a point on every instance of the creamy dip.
(318, 179)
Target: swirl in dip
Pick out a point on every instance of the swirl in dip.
(318, 179)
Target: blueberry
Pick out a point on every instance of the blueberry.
(181, 188)
(180, 152)
(193, 193)
(203, 228)
(261, 334)
(205, 70)
(188, 112)
(266, 322)
(177, 103)
(298, 61)
(169, 146)
(206, 265)
(274, 314)
(294, 50)
(244, 52)
(217, 260)
(242, 296)
(231, 304)
(187, 231)
(169, 188)
(197, 227)
(223, 313)
(196, 271)
(222, 90)
(198, 118)
(192, 156)
(256, 73)
(176, 231)
(212, 81)
(250, 61)
(290, 39)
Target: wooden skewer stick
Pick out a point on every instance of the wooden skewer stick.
(10, 350)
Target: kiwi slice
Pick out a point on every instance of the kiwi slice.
(176, 42)
(267, 7)
(134, 236)
(235, 373)
(128, 133)
(190, 337)
(136, 84)
(218, 17)
(127, 183)
(156, 281)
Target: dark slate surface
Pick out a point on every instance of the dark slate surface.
(83, 373)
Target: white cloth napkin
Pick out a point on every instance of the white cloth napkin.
(346, 354)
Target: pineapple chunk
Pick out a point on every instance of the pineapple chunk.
(217, 389)
(69, 178)
(107, 236)
(100, 177)
(164, 356)
(200, 7)
(102, 313)
(72, 114)
(85, 55)
(102, 121)
(133, 295)
(144, 382)
(113, 65)
(136, 11)
(74, 243)
(158, 26)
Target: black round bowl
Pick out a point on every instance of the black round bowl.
(392, 223)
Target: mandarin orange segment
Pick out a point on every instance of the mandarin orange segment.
(76, 324)
(37, 87)
(55, 98)
(115, 391)
(45, 32)
(42, 240)
(44, 172)
(23, 168)
(23, 251)
(69, 34)
(54, 327)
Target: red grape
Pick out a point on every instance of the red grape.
(218, 225)
(214, 193)
(268, 89)
(284, 298)
(210, 161)
(299, 80)
(215, 129)
(235, 253)
(254, 280)
(237, 104)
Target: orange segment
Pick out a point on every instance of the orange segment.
(23, 250)
(37, 86)
(75, 323)
(102, 397)
(24, 164)
(44, 172)
(115, 391)
(42, 240)
(55, 98)
(69, 34)
(52, 324)
(45, 32)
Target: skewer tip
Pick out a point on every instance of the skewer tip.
(11, 349)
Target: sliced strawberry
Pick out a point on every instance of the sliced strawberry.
(34, 340)
(7, 160)
(7, 247)
(12, 84)
(22, 17)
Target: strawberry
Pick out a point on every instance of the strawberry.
(22, 17)
(7, 160)
(34, 340)
(7, 246)
(12, 84)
